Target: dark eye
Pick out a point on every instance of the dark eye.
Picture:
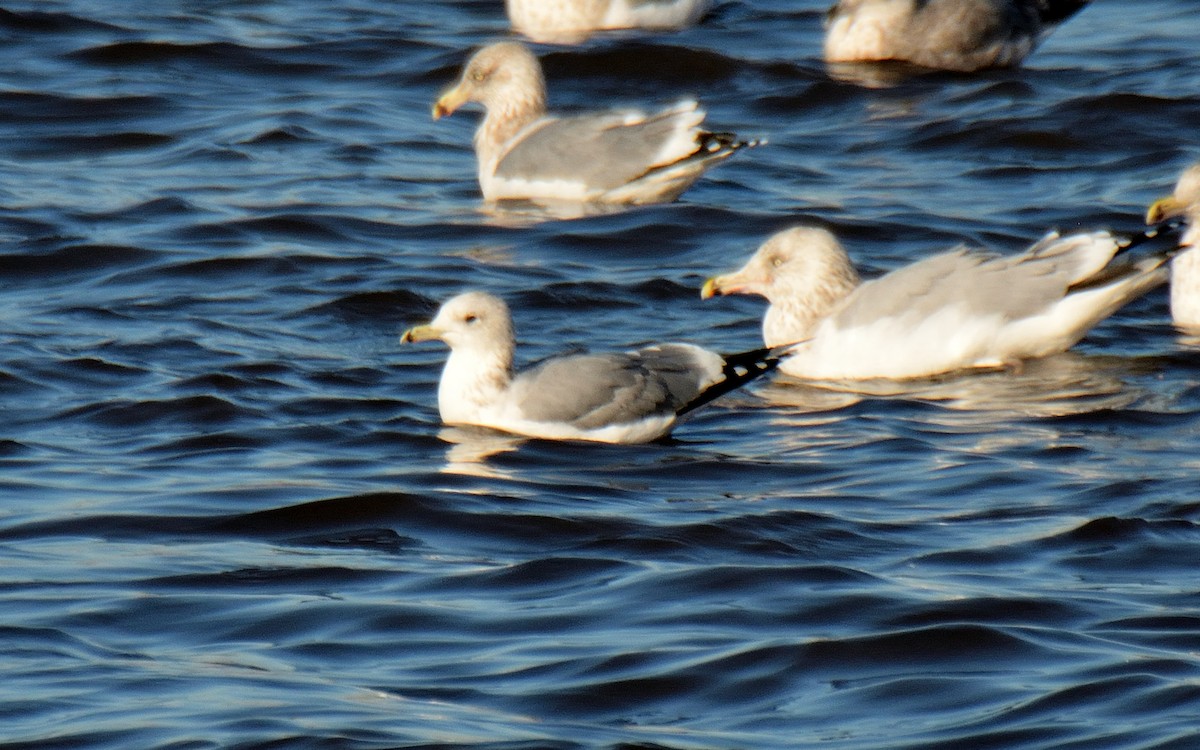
(470, 319)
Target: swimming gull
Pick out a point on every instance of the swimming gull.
(619, 157)
(571, 21)
(959, 35)
(630, 397)
(1185, 269)
(959, 310)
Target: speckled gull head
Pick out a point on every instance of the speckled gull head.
(502, 76)
(1185, 269)
(804, 272)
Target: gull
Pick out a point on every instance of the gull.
(959, 310)
(958, 35)
(1185, 269)
(626, 397)
(571, 21)
(621, 157)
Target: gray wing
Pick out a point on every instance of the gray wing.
(602, 151)
(971, 24)
(974, 283)
(947, 24)
(966, 26)
(593, 390)
(963, 34)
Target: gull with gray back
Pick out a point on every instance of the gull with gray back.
(620, 397)
(958, 35)
(616, 157)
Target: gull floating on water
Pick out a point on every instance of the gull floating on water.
(629, 397)
(959, 35)
(959, 310)
(622, 157)
(1185, 269)
(571, 21)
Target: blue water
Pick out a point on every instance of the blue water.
(229, 516)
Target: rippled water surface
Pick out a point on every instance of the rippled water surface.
(230, 516)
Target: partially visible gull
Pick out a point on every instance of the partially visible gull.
(959, 35)
(608, 157)
(1185, 269)
(630, 397)
(959, 310)
(571, 21)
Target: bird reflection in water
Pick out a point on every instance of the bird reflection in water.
(471, 447)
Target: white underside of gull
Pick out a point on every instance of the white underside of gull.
(863, 35)
(499, 189)
(641, 431)
(623, 14)
(896, 348)
(570, 21)
(1185, 286)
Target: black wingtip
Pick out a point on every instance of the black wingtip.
(1169, 232)
(715, 142)
(739, 369)
(1157, 244)
(1054, 12)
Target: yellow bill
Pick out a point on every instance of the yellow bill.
(1167, 208)
(449, 101)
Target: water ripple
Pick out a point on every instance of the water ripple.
(232, 517)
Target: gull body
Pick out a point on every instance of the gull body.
(959, 35)
(1185, 269)
(571, 21)
(622, 157)
(959, 310)
(623, 397)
